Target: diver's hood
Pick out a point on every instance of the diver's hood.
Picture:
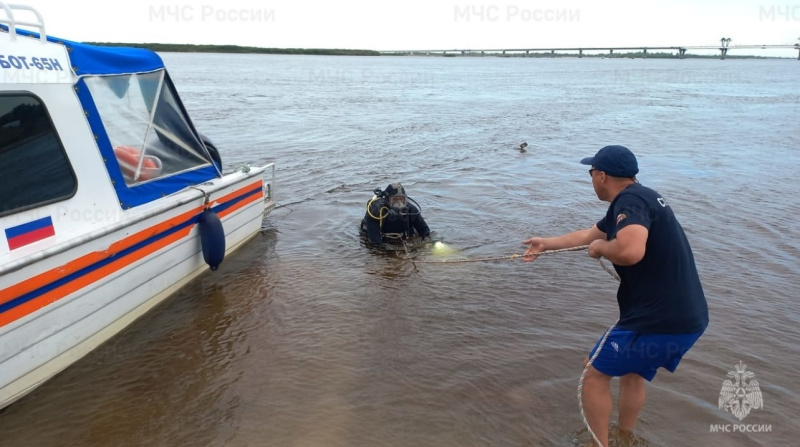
(394, 189)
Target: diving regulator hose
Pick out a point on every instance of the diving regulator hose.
(380, 215)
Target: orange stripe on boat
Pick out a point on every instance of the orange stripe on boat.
(73, 266)
(85, 280)
(241, 204)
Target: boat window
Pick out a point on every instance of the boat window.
(148, 130)
(34, 169)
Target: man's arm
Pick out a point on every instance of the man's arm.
(569, 240)
(420, 226)
(627, 248)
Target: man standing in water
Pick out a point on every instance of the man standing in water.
(663, 310)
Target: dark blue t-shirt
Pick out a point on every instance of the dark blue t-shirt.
(661, 294)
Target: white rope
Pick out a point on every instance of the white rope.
(591, 360)
(599, 346)
(497, 258)
(583, 376)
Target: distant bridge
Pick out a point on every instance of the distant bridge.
(681, 51)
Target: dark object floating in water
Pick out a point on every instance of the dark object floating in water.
(523, 146)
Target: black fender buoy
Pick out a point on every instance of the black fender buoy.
(212, 238)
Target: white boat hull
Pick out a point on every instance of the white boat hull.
(73, 300)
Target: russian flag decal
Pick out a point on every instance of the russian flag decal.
(28, 233)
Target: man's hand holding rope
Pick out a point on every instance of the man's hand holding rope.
(537, 246)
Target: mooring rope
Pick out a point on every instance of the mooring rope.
(599, 346)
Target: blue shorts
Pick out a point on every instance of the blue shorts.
(625, 352)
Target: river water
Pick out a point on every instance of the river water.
(307, 337)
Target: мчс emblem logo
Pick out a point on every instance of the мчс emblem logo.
(741, 394)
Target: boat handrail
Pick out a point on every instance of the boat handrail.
(13, 23)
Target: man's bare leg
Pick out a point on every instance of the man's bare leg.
(631, 400)
(597, 403)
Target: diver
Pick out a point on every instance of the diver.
(390, 218)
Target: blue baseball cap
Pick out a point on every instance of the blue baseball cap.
(616, 161)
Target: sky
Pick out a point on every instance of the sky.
(427, 24)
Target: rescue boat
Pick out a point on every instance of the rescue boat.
(110, 199)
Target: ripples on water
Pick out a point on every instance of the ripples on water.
(307, 337)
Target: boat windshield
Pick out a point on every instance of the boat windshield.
(149, 133)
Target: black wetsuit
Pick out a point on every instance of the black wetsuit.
(408, 222)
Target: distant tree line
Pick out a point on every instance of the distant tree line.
(189, 48)
(547, 54)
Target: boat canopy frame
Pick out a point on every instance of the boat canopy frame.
(168, 120)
